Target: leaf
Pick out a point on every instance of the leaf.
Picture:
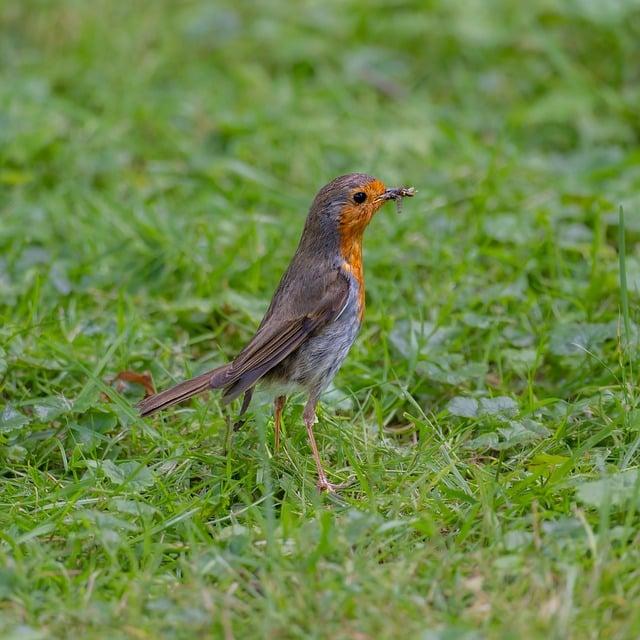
(134, 475)
(144, 379)
(517, 337)
(103, 521)
(518, 433)
(563, 528)
(574, 338)
(463, 407)
(89, 397)
(133, 507)
(84, 438)
(137, 476)
(520, 360)
(11, 419)
(477, 321)
(47, 409)
(613, 490)
(482, 442)
(112, 472)
(426, 342)
(517, 539)
(100, 421)
(514, 434)
(412, 338)
(15, 453)
(505, 291)
(547, 460)
(451, 369)
(498, 405)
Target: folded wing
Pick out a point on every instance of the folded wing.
(279, 337)
(280, 334)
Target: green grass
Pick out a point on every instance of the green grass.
(156, 164)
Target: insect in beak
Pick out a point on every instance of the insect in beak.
(397, 194)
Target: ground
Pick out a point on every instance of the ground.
(156, 164)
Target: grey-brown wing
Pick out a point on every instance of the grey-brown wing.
(279, 337)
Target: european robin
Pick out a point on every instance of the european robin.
(314, 315)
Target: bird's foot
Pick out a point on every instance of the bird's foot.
(330, 487)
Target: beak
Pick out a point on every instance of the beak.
(398, 193)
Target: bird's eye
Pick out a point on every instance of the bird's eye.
(359, 197)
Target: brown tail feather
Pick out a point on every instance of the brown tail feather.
(182, 391)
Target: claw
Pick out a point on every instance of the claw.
(324, 485)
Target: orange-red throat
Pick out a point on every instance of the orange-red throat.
(354, 218)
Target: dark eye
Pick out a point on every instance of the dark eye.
(359, 197)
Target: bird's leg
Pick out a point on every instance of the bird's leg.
(309, 417)
(278, 406)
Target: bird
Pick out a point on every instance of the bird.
(314, 316)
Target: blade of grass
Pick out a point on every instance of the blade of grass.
(624, 293)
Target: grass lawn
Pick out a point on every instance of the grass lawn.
(156, 164)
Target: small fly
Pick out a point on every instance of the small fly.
(398, 194)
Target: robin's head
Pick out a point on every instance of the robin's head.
(347, 204)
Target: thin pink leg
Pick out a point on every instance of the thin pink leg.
(309, 417)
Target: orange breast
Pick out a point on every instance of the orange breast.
(352, 254)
